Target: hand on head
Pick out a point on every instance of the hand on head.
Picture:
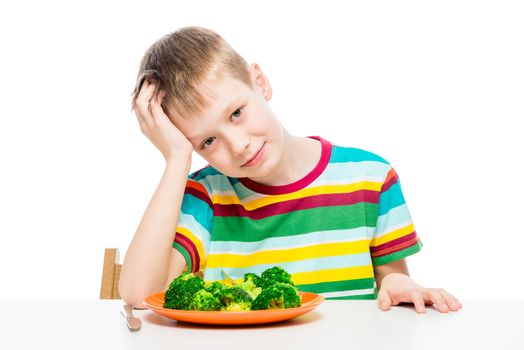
(157, 127)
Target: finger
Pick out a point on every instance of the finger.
(157, 111)
(153, 114)
(141, 107)
(435, 295)
(155, 105)
(149, 96)
(384, 301)
(156, 108)
(146, 91)
(157, 100)
(143, 101)
(138, 115)
(453, 303)
(418, 300)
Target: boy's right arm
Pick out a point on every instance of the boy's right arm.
(150, 261)
(150, 258)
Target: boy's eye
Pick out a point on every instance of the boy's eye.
(207, 142)
(237, 113)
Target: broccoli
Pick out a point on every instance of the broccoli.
(252, 278)
(234, 298)
(277, 296)
(182, 290)
(214, 288)
(274, 289)
(271, 297)
(275, 274)
(291, 296)
(250, 285)
(205, 301)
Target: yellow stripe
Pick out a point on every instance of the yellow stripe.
(392, 235)
(227, 283)
(197, 242)
(333, 275)
(328, 189)
(287, 255)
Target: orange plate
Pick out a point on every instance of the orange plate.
(309, 302)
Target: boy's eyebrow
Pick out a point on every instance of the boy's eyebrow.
(225, 112)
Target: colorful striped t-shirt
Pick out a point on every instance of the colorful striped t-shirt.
(327, 230)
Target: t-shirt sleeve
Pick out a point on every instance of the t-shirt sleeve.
(194, 225)
(394, 237)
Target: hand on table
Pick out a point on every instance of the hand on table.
(398, 288)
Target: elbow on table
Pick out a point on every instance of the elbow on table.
(136, 301)
(133, 296)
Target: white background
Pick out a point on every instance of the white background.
(436, 88)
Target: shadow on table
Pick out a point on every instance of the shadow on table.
(429, 308)
(167, 322)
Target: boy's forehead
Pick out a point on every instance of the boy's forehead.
(223, 95)
(218, 88)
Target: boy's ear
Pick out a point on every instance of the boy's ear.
(260, 81)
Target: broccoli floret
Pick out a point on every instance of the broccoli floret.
(205, 301)
(250, 285)
(234, 298)
(182, 290)
(275, 274)
(214, 288)
(277, 296)
(271, 297)
(291, 296)
(252, 278)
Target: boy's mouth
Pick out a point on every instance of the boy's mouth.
(256, 157)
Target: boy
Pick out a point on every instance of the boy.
(333, 217)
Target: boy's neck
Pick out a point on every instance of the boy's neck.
(300, 155)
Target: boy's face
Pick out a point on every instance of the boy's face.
(238, 133)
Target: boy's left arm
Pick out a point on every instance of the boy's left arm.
(395, 287)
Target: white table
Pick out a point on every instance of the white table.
(97, 324)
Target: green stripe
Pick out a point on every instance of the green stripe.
(242, 229)
(386, 259)
(355, 297)
(186, 255)
(338, 286)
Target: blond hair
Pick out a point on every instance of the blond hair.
(181, 61)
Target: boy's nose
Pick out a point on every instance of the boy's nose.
(239, 143)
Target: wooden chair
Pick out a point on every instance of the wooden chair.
(110, 275)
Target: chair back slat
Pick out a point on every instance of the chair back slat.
(116, 294)
(110, 275)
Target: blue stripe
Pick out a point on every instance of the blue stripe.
(390, 199)
(204, 172)
(189, 222)
(348, 154)
(347, 171)
(392, 218)
(199, 209)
